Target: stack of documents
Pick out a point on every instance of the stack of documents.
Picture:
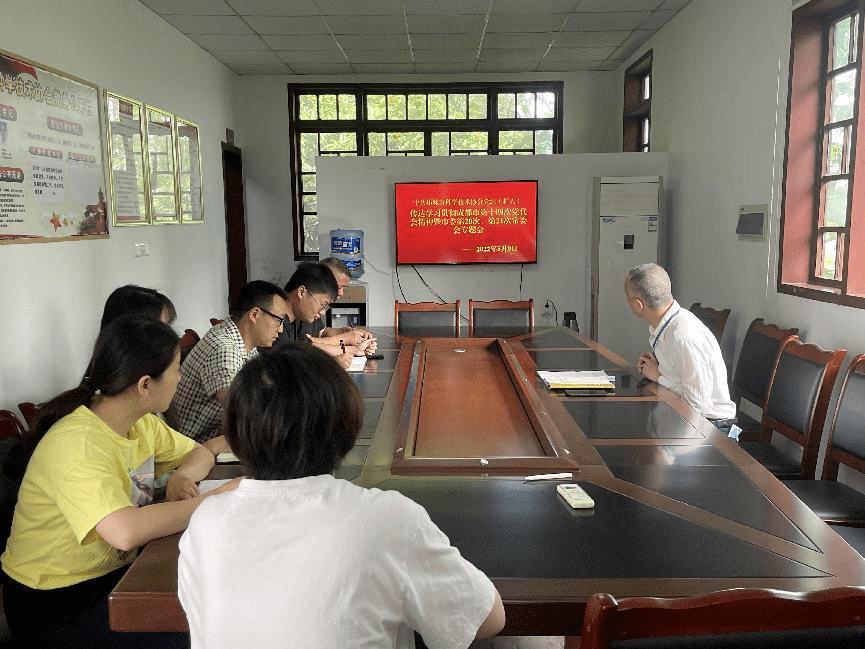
(576, 380)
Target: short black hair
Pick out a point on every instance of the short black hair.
(292, 413)
(316, 277)
(136, 300)
(256, 293)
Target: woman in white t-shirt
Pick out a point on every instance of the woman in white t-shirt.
(297, 558)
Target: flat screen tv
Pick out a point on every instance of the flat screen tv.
(482, 222)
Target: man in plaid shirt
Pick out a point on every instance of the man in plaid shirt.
(257, 319)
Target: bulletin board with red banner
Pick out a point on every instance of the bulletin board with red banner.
(52, 177)
(481, 222)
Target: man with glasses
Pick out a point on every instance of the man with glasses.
(322, 335)
(257, 319)
(310, 290)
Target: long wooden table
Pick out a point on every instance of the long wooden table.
(456, 424)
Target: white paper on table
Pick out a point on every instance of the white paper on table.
(209, 485)
(357, 364)
(578, 379)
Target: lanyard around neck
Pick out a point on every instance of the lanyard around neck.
(664, 326)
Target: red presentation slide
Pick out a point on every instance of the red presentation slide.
(467, 222)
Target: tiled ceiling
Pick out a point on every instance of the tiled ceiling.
(417, 36)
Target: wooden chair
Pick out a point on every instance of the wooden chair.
(486, 318)
(430, 317)
(757, 358)
(739, 617)
(796, 407)
(215, 321)
(714, 319)
(10, 425)
(831, 500)
(30, 411)
(187, 342)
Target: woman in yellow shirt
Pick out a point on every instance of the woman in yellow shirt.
(81, 513)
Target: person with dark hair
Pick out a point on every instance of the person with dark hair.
(81, 514)
(257, 318)
(685, 355)
(311, 289)
(131, 299)
(352, 336)
(312, 560)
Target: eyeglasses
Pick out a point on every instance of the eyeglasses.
(282, 319)
(321, 307)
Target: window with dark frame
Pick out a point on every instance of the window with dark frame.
(412, 120)
(637, 105)
(823, 207)
(835, 179)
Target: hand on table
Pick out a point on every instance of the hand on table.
(180, 487)
(366, 346)
(356, 336)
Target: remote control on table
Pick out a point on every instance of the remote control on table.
(575, 496)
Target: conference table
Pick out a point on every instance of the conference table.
(456, 423)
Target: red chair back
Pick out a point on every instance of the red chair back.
(708, 618)
(10, 425)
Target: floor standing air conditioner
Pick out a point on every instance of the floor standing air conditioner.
(626, 232)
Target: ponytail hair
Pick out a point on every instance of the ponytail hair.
(131, 299)
(127, 348)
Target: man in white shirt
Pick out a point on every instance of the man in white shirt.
(685, 355)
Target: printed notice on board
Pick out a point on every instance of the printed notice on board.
(51, 176)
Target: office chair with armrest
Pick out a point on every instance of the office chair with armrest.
(187, 341)
(501, 317)
(427, 318)
(831, 500)
(757, 357)
(30, 411)
(714, 319)
(10, 425)
(796, 407)
(752, 618)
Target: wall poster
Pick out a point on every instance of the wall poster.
(189, 172)
(51, 165)
(126, 152)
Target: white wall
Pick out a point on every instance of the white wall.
(358, 193)
(52, 293)
(719, 109)
(720, 74)
(262, 104)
